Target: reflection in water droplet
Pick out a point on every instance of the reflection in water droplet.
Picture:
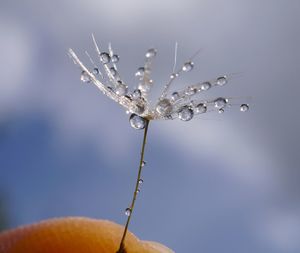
(164, 107)
(221, 110)
(221, 81)
(175, 96)
(188, 66)
(121, 89)
(85, 77)
(115, 58)
(205, 86)
(141, 181)
(185, 113)
(151, 53)
(201, 108)
(137, 122)
(95, 71)
(127, 211)
(143, 163)
(244, 107)
(140, 72)
(136, 94)
(104, 58)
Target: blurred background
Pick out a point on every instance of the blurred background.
(219, 183)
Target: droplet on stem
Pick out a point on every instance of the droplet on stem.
(244, 107)
(104, 58)
(151, 53)
(222, 80)
(164, 107)
(185, 113)
(85, 77)
(220, 103)
(128, 211)
(188, 66)
(137, 122)
(115, 58)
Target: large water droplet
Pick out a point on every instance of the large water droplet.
(205, 86)
(221, 80)
(115, 58)
(85, 77)
(188, 66)
(104, 58)
(220, 103)
(128, 211)
(164, 107)
(121, 89)
(201, 108)
(140, 72)
(137, 107)
(141, 181)
(185, 113)
(137, 121)
(151, 53)
(244, 107)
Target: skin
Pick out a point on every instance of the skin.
(74, 235)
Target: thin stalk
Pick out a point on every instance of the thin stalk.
(122, 246)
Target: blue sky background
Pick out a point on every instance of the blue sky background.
(220, 183)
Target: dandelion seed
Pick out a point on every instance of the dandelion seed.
(182, 104)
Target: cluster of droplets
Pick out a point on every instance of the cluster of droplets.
(180, 104)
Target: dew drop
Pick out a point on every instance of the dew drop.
(164, 107)
(175, 96)
(141, 181)
(172, 76)
(188, 66)
(121, 89)
(85, 77)
(143, 163)
(221, 80)
(185, 113)
(115, 58)
(201, 108)
(136, 94)
(151, 53)
(104, 58)
(138, 191)
(220, 103)
(95, 71)
(140, 72)
(190, 91)
(137, 107)
(128, 211)
(221, 110)
(113, 71)
(145, 87)
(137, 122)
(205, 86)
(244, 107)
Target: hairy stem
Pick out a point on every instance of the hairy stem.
(122, 246)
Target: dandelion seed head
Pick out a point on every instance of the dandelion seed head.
(182, 104)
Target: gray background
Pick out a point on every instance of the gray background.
(220, 183)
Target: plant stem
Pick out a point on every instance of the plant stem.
(122, 246)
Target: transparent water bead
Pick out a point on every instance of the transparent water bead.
(185, 113)
(136, 94)
(115, 58)
(121, 89)
(221, 110)
(95, 71)
(144, 87)
(113, 71)
(222, 80)
(190, 91)
(201, 108)
(151, 53)
(143, 163)
(138, 191)
(220, 103)
(140, 72)
(137, 107)
(127, 211)
(188, 66)
(175, 96)
(137, 122)
(141, 181)
(164, 107)
(205, 86)
(244, 107)
(84, 77)
(104, 58)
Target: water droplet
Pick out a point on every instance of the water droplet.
(143, 163)
(137, 107)
(140, 72)
(85, 77)
(221, 80)
(113, 71)
(138, 191)
(95, 71)
(221, 110)
(115, 58)
(164, 107)
(190, 91)
(137, 122)
(175, 96)
(141, 181)
(185, 113)
(188, 66)
(136, 94)
(104, 58)
(151, 53)
(220, 103)
(128, 211)
(145, 87)
(172, 76)
(201, 108)
(244, 107)
(121, 89)
(205, 86)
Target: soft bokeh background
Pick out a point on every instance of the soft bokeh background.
(220, 183)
